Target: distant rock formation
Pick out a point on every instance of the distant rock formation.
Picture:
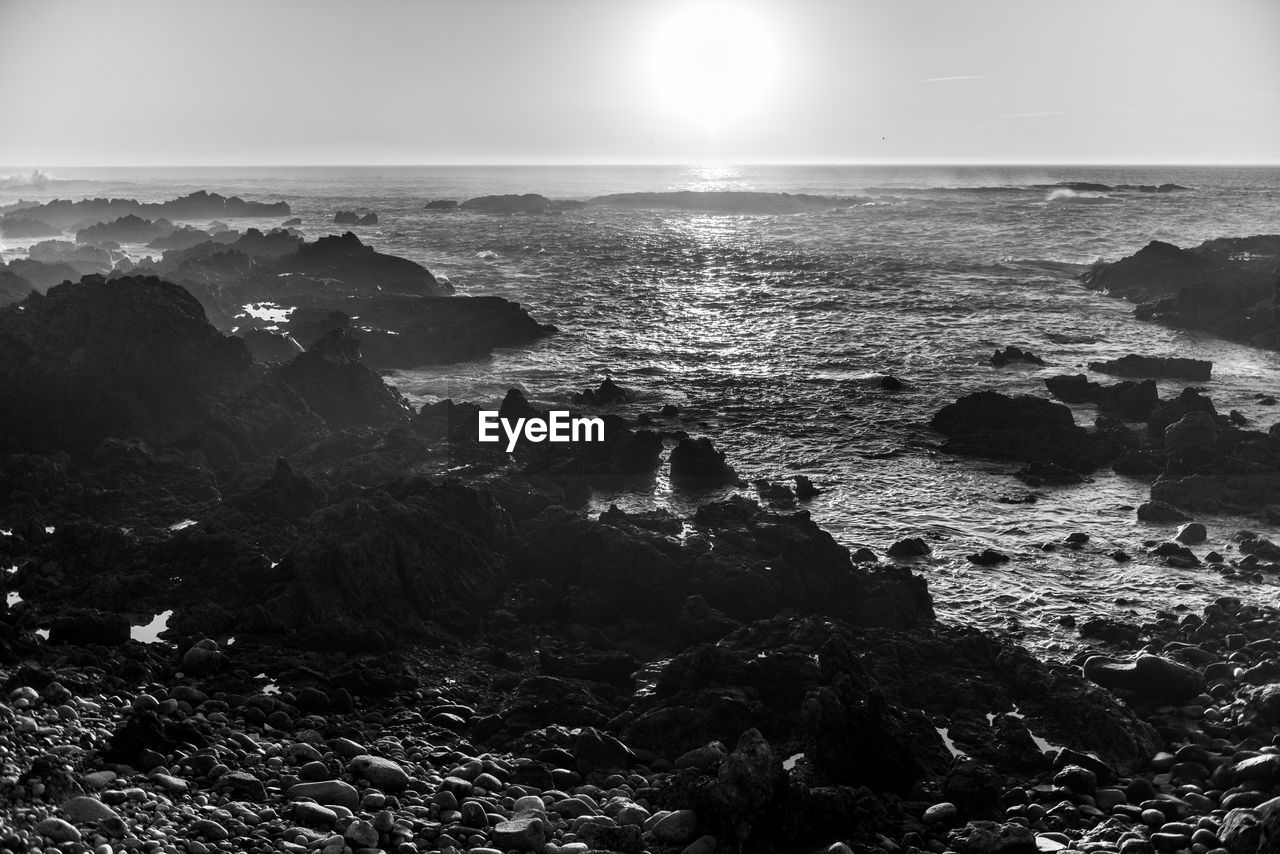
(187, 237)
(84, 259)
(126, 229)
(64, 213)
(18, 227)
(352, 218)
(527, 203)
(441, 205)
(1228, 286)
(13, 288)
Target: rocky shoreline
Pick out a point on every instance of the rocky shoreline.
(383, 635)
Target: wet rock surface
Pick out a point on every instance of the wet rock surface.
(1225, 286)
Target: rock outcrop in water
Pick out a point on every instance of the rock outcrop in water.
(405, 317)
(1129, 401)
(1226, 286)
(1172, 367)
(64, 214)
(1022, 428)
(511, 203)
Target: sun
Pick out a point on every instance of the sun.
(713, 64)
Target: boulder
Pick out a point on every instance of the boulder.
(989, 837)
(1011, 354)
(1148, 679)
(337, 385)
(1134, 365)
(385, 774)
(1193, 430)
(696, 464)
(374, 569)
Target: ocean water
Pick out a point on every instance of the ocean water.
(771, 331)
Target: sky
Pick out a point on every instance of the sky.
(156, 82)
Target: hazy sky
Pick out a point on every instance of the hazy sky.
(157, 82)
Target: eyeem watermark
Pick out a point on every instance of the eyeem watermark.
(558, 426)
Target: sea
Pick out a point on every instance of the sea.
(771, 333)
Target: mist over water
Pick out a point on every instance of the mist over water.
(771, 332)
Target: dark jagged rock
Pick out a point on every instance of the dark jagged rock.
(85, 260)
(761, 563)
(333, 381)
(126, 229)
(1155, 366)
(608, 394)
(403, 331)
(1225, 286)
(345, 258)
(909, 547)
(1023, 428)
(98, 358)
(269, 347)
(696, 464)
(376, 568)
(42, 275)
(89, 627)
(1011, 354)
(285, 495)
(1131, 401)
(289, 223)
(13, 288)
(863, 701)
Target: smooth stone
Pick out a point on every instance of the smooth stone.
(87, 810)
(705, 844)
(941, 813)
(312, 813)
(361, 834)
(522, 834)
(58, 830)
(678, 827)
(385, 774)
(327, 792)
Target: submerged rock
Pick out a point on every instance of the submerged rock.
(1011, 354)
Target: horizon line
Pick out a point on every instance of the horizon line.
(657, 163)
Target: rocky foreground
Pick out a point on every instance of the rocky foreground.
(383, 635)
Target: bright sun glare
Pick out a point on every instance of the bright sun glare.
(713, 64)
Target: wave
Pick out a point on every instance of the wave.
(36, 179)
